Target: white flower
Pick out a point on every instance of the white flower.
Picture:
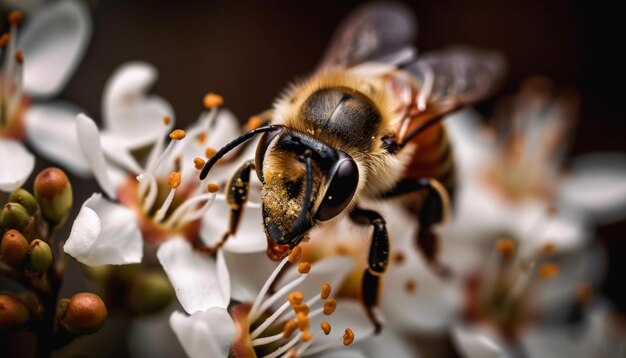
(253, 321)
(37, 64)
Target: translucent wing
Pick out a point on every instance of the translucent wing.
(375, 32)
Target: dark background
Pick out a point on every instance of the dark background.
(247, 52)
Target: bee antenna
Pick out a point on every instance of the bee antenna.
(306, 202)
(232, 145)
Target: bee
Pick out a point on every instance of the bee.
(365, 124)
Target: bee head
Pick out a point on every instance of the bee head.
(304, 181)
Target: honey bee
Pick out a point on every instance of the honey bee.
(365, 124)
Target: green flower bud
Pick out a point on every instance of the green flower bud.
(150, 293)
(84, 313)
(14, 216)
(24, 198)
(14, 247)
(53, 192)
(40, 256)
(13, 313)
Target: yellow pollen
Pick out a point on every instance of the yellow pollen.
(410, 286)
(329, 306)
(289, 328)
(548, 271)
(325, 291)
(548, 249)
(295, 298)
(173, 180)
(201, 138)
(295, 254)
(306, 336)
(19, 57)
(167, 120)
(4, 39)
(209, 152)
(348, 337)
(212, 188)
(325, 326)
(15, 17)
(198, 162)
(212, 100)
(254, 122)
(506, 247)
(302, 320)
(301, 308)
(178, 134)
(304, 267)
(398, 258)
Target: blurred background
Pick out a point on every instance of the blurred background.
(248, 51)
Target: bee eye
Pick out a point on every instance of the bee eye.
(264, 142)
(341, 189)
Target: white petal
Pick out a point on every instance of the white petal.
(470, 149)
(247, 283)
(475, 342)
(567, 232)
(51, 130)
(386, 344)
(54, 40)
(429, 306)
(204, 334)
(250, 236)
(597, 186)
(105, 233)
(348, 314)
(17, 164)
(199, 282)
(129, 114)
(89, 140)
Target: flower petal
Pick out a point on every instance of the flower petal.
(17, 164)
(129, 115)
(205, 333)
(247, 283)
(348, 314)
(105, 233)
(475, 342)
(51, 130)
(597, 187)
(250, 236)
(89, 140)
(199, 281)
(471, 149)
(53, 41)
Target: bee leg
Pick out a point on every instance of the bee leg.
(435, 205)
(237, 190)
(377, 260)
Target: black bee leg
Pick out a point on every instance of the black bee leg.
(377, 259)
(236, 197)
(432, 211)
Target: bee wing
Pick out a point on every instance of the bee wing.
(381, 32)
(457, 75)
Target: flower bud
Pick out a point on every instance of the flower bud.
(14, 216)
(24, 198)
(150, 293)
(14, 247)
(40, 256)
(53, 192)
(84, 313)
(13, 313)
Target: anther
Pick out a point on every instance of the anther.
(295, 254)
(209, 152)
(201, 138)
(19, 57)
(548, 249)
(398, 258)
(295, 298)
(15, 17)
(212, 100)
(548, 271)
(173, 180)
(304, 267)
(329, 306)
(178, 134)
(253, 123)
(301, 308)
(167, 120)
(306, 336)
(198, 163)
(410, 286)
(325, 326)
(302, 320)
(325, 291)
(348, 337)
(4, 39)
(289, 328)
(506, 247)
(212, 188)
